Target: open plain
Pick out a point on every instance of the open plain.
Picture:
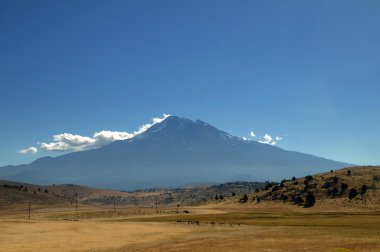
(213, 227)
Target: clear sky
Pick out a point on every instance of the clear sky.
(306, 71)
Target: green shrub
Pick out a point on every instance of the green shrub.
(343, 187)
(244, 199)
(363, 189)
(310, 200)
(298, 200)
(352, 193)
(309, 178)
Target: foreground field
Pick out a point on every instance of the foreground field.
(211, 228)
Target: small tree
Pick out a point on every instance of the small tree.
(363, 189)
(233, 194)
(293, 178)
(334, 180)
(268, 185)
(352, 193)
(331, 171)
(333, 192)
(349, 173)
(244, 199)
(343, 187)
(216, 197)
(275, 188)
(309, 178)
(310, 200)
(297, 200)
(221, 197)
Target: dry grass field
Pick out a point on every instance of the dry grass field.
(334, 223)
(207, 228)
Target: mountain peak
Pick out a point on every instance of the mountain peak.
(176, 120)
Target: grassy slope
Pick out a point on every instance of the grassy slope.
(322, 186)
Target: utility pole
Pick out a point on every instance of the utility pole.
(156, 204)
(29, 210)
(114, 204)
(76, 202)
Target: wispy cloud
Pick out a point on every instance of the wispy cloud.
(266, 139)
(30, 150)
(67, 142)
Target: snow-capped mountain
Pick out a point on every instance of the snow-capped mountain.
(171, 153)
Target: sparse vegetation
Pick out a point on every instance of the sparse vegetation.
(324, 187)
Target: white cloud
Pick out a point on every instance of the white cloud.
(70, 142)
(30, 150)
(244, 138)
(267, 139)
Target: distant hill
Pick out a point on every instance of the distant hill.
(349, 187)
(14, 194)
(172, 153)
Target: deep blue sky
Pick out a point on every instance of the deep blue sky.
(305, 70)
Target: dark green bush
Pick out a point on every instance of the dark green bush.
(352, 193)
(244, 199)
(363, 189)
(298, 200)
(310, 200)
(343, 187)
(309, 178)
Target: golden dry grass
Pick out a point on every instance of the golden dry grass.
(220, 229)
